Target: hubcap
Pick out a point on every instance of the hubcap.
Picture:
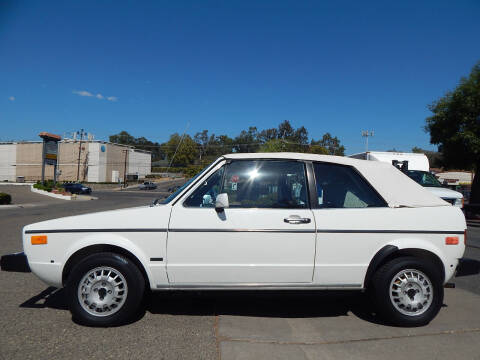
(411, 292)
(102, 291)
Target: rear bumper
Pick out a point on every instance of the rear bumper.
(17, 262)
(467, 267)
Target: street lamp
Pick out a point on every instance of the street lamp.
(366, 134)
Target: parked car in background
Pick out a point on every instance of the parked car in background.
(262, 221)
(147, 185)
(416, 166)
(429, 181)
(77, 188)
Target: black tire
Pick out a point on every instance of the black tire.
(381, 291)
(132, 295)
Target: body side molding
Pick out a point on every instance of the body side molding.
(52, 231)
(331, 231)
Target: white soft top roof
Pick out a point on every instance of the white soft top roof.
(395, 187)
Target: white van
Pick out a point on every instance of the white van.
(417, 167)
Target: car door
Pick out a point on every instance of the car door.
(265, 236)
(350, 216)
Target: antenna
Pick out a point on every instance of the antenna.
(180, 143)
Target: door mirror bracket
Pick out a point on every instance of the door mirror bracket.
(221, 203)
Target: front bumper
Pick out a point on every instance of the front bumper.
(467, 267)
(17, 262)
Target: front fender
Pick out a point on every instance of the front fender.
(112, 239)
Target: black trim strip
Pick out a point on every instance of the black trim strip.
(312, 231)
(389, 231)
(303, 231)
(91, 230)
(156, 259)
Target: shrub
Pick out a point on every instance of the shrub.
(5, 198)
(47, 186)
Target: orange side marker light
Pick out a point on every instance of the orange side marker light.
(39, 240)
(451, 240)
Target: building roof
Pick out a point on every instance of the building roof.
(47, 135)
(85, 141)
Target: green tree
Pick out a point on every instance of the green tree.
(268, 134)
(455, 127)
(142, 143)
(122, 137)
(201, 138)
(224, 145)
(183, 154)
(274, 145)
(247, 141)
(317, 149)
(330, 143)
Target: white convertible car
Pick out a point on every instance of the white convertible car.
(259, 221)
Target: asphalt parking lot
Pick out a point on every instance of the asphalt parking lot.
(35, 323)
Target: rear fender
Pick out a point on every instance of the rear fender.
(404, 245)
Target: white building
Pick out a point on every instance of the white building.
(90, 161)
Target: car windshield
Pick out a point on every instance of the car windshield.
(180, 189)
(424, 178)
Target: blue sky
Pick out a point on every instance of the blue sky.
(338, 66)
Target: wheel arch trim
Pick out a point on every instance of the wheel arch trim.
(106, 242)
(406, 247)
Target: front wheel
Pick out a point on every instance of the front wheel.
(408, 291)
(105, 289)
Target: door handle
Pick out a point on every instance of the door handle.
(295, 219)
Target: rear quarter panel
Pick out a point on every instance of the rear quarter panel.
(348, 239)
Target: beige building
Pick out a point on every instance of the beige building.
(100, 161)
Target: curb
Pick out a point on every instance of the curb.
(17, 206)
(57, 196)
(15, 184)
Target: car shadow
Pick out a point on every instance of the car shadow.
(285, 304)
(51, 297)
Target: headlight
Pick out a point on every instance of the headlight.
(458, 202)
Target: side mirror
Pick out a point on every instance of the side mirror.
(221, 202)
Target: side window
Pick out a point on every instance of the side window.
(206, 193)
(340, 186)
(266, 184)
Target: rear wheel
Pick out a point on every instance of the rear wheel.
(408, 291)
(105, 289)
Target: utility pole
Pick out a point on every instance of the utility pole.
(79, 154)
(125, 170)
(366, 134)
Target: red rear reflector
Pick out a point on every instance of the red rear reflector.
(465, 237)
(451, 240)
(39, 239)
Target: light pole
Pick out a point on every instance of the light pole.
(366, 134)
(79, 154)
